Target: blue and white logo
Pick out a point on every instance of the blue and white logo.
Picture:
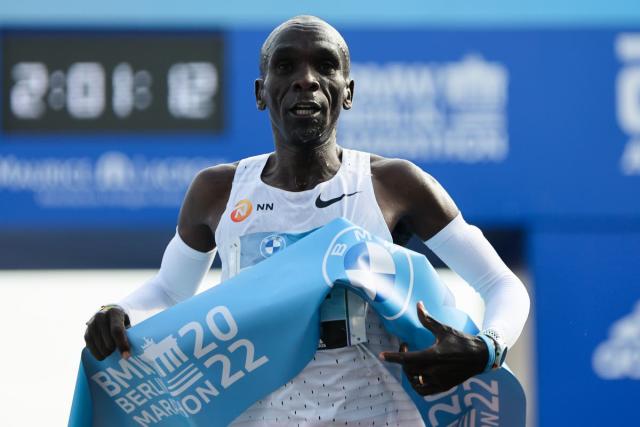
(370, 267)
(272, 244)
(377, 270)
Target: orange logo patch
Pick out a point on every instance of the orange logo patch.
(241, 211)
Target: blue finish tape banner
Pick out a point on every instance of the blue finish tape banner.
(204, 361)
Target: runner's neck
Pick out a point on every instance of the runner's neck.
(302, 168)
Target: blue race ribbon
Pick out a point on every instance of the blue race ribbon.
(204, 361)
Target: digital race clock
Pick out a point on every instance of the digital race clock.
(65, 81)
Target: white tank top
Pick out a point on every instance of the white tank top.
(347, 385)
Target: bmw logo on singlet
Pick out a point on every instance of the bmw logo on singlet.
(377, 270)
(272, 244)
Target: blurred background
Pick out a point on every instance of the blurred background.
(527, 112)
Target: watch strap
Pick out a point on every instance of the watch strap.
(491, 348)
(499, 346)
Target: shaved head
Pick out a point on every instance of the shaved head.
(304, 81)
(302, 23)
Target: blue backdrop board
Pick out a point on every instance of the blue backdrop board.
(588, 302)
(545, 119)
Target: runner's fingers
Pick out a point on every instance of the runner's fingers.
(402, 356)
(429, 322)
(107, 340)
(96, 342)
(117, 330)
(88, 339)
(394, 357)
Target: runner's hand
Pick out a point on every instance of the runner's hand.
(453, 358)
(106, 332)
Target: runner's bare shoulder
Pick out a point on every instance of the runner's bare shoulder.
(204, 204)
(414, 195)
(399, 179)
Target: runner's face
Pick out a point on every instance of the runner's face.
(305, 84)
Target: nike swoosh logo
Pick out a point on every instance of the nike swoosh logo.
(324, 203)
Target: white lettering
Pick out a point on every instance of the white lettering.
(146, 391)
(113, 172)
(338, 249)
(491, 388)
(199, 349)
(250, 364)
(106, 383)
(141, 365)
(493, 405)
(158, 412)
(630, 162)
(204, 393)
(454, 408)
(191, 404)
(167, 407)
(228, 319)
(618, 356)
(227, 378)
(454, 112)
(146, 420)
(127, 373)
(628, 100)
(487, 418)
(628, 97)
(362, 234)
(177, 407)
(44, 174)
(125, 405)
(135, 397)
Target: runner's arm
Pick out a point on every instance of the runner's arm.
(433, 216)
(186, 261)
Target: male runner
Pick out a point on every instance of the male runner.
(309, 180)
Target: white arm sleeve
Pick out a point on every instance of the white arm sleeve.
(179, 277)
(465, 250)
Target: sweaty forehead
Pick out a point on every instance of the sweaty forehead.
(304, 35)
(308, 43)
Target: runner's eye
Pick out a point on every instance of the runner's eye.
(283, 66)
(328, 67)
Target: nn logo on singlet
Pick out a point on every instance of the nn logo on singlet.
(244, 207)
(241, 210)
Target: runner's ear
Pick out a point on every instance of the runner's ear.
(259, 85)
(348, 95)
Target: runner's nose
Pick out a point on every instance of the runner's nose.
(306, 81)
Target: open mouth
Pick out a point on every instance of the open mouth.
(305, 109)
